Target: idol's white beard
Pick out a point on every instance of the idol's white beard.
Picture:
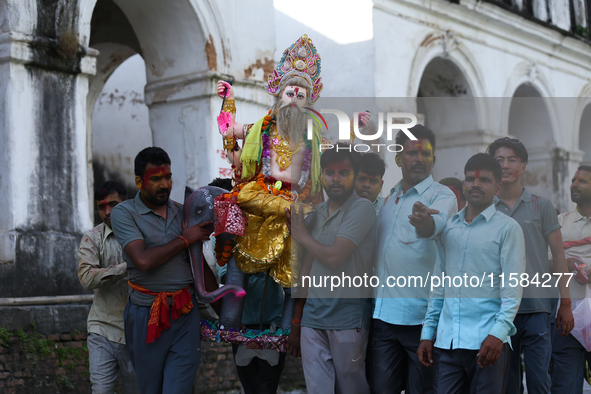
(291, 122)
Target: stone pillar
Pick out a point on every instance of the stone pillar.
(183, 113)
(43, 182)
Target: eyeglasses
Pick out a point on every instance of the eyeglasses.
(511, 140)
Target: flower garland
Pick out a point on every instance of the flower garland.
(222, 255)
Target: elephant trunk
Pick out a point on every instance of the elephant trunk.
(231, 313)
(197, 261)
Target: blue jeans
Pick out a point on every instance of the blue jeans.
(169, 364)
(568, 357)
(534, 340)
(458, 372)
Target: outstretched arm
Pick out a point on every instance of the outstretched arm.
(230, 130)
(227, 118)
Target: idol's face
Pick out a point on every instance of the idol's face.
(294, 95)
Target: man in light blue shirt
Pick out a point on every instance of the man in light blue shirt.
(399, 311)
(485, 249)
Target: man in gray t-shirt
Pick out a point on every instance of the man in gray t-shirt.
(539, 222)
(154, 242)
(335, 317)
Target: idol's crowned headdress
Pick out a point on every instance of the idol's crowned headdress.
(300, 59)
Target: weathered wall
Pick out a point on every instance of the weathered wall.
(32, 363)
(44, 73)
(497, 52)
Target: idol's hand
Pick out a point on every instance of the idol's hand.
(364, 118)
(224, 122)
(225, 88)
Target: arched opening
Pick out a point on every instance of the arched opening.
(585, 135)
(120, 125)
(117, 117)
(159, 97)
(529, 121)
(446, 102)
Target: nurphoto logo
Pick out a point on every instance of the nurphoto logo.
(394, 121)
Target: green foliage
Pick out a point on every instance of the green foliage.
(36, 348)
(44, 347)
(21, 335)
(582, 32)
(63, 381)
(4, 337)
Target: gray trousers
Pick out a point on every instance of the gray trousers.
(334, 360)
(106, 359)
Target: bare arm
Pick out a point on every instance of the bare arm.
(565, 315)
(330, 255)
(145, 259)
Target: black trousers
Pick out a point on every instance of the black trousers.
(392, 361)
(458, 372)
(259, 377)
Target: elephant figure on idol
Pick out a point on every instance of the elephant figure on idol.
(198, 208)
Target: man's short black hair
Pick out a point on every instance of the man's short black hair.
(152, 155)
(372, 164)
(510, 143)
(224, 183)
(108, 188)
(339, 152)
(420, 132)
(585, 168)
(483, 161)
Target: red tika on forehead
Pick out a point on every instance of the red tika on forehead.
(162, 170)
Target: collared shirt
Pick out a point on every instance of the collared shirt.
(492, 244)
(378, 203)
(102, 269)
(355, 220)
(575, 227)
(132, 220)
(402, 253)
(538, 219)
